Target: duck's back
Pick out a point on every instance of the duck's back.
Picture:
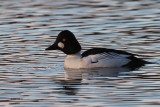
(102, 57)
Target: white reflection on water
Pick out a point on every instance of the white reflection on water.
(108, 86)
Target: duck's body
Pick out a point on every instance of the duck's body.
(94, 61)
(92, 58)
(101, 57)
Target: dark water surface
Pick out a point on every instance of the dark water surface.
(30, 76)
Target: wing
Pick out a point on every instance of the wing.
(107, 57)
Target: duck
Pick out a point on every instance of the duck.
(92, 58)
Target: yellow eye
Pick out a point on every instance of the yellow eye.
(63, 39)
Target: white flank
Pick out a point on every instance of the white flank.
(110, 59)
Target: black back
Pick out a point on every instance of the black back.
(102, 50)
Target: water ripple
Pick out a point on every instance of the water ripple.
(30, 76)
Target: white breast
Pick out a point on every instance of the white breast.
(74, 61)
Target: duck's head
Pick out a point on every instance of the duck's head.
(66, 42)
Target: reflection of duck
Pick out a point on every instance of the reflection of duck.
(93, 58)
(76, 77)
(80, 74)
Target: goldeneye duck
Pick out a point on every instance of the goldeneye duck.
(92, 58)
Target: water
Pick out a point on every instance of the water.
(30, 76)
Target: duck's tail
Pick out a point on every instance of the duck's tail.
(136, 63)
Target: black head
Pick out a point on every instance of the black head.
(66, 42)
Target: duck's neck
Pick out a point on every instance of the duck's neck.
(76, 55)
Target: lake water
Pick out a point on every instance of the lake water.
(33, 77)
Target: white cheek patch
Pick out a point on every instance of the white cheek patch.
(61, 45)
